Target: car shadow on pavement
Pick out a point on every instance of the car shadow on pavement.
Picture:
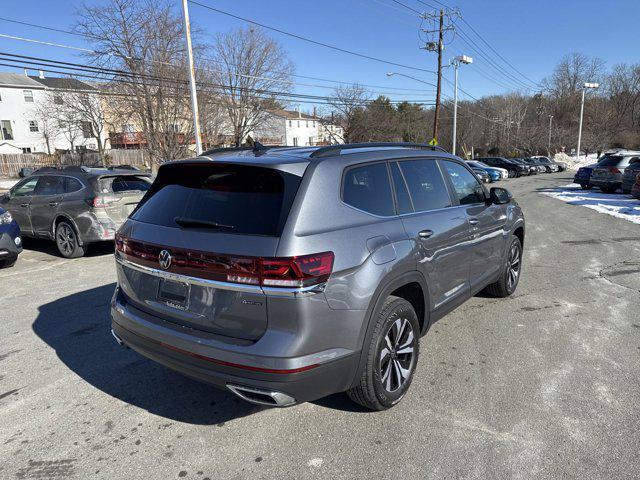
(78, 328)
(49, 247)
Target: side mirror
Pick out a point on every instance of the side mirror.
(500, 196)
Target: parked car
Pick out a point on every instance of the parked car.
(550, 166)
(514, 169)
(482, 174)
(538, 167)
(309, 271)
(74, 206)
(607, 175)
(630, 174)
(533, 169)
(635, 190)
(583, 176)
(496, 174)
(10, 239)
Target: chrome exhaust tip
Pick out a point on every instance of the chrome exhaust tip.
(262, 397)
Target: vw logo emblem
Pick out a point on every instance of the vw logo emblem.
(164, 259)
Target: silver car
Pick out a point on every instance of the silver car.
(288, 274)
(607, 175)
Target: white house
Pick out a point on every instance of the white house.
(294, 128)
(24, 129)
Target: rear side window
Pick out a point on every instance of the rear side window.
(614, 161)
(367, 188)
(221, 197)
(49, 185)
(71, 185)
(465, 184)
(426, 185)
(123, 183)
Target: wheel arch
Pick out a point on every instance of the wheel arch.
(63, 216)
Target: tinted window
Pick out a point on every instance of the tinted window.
(426, 185)
(71, 185)
(48, 185)
(614, 161)
(123, 183)
(402, 194)
(368, 189)
(26, 187)
(465, 184)
(239, 198)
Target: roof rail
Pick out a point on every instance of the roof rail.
(257, 148)
(46, 169)
(332, 150)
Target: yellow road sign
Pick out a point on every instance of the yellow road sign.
(433, 142)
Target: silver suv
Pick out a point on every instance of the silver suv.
(288, 274)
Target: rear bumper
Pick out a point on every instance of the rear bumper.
(304, 378)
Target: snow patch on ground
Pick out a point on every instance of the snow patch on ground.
(574, 163)
(6, 184)
(616, 205)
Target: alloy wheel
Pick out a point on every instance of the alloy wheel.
(513, 266)
(66, 239)
(396, 355)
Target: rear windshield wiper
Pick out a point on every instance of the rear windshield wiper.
(195, 223)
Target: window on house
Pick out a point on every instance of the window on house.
(307, 123)
(295, 141)
(57, 99)
(313, 124)
(6, 132)
(127, 128)
(87, 130)
(311, 141)
(174, 128)
(290, 123)
(28, 96)
(33, 126)
(26, 149)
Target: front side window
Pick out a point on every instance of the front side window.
(28, 96)
(367, 188)
(33, 126)
(6, 132)
(466, 185)
(427, 187)
(26, 187)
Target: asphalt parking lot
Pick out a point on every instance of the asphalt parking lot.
(545, 384)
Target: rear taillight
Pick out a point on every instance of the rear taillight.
(99, 201)
(301, 271)
(614, 170)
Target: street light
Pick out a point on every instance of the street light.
(464, 59)
(586, 86)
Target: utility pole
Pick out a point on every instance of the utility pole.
(192, 78)
(584, 89)
(549, 146)
(439, 82)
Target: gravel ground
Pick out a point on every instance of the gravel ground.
(541, 385)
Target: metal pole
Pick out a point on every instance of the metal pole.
(549, 146)
(455, 106)
(192, 78)
(580, 127)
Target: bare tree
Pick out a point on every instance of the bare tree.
(348, 104)
(142, 42)
(249, 67)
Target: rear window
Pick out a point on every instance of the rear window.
(614, 161)
(238, 199)
(123, 183)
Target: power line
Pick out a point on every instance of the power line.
(309, 40)
(85, 50)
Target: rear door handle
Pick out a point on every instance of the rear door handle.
(24, 205)
(473, 221)
(425, 233)
(54, 204)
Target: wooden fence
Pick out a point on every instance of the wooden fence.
(11, 163)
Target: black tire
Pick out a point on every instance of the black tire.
(8, 263)
(586, 187)
(383, 382)
(513, 174)
(67, 241)
(511, 271)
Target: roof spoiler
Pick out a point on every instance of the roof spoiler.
(333, 150)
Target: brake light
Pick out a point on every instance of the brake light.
(300, 271)
(100, 201)
(614, 170)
